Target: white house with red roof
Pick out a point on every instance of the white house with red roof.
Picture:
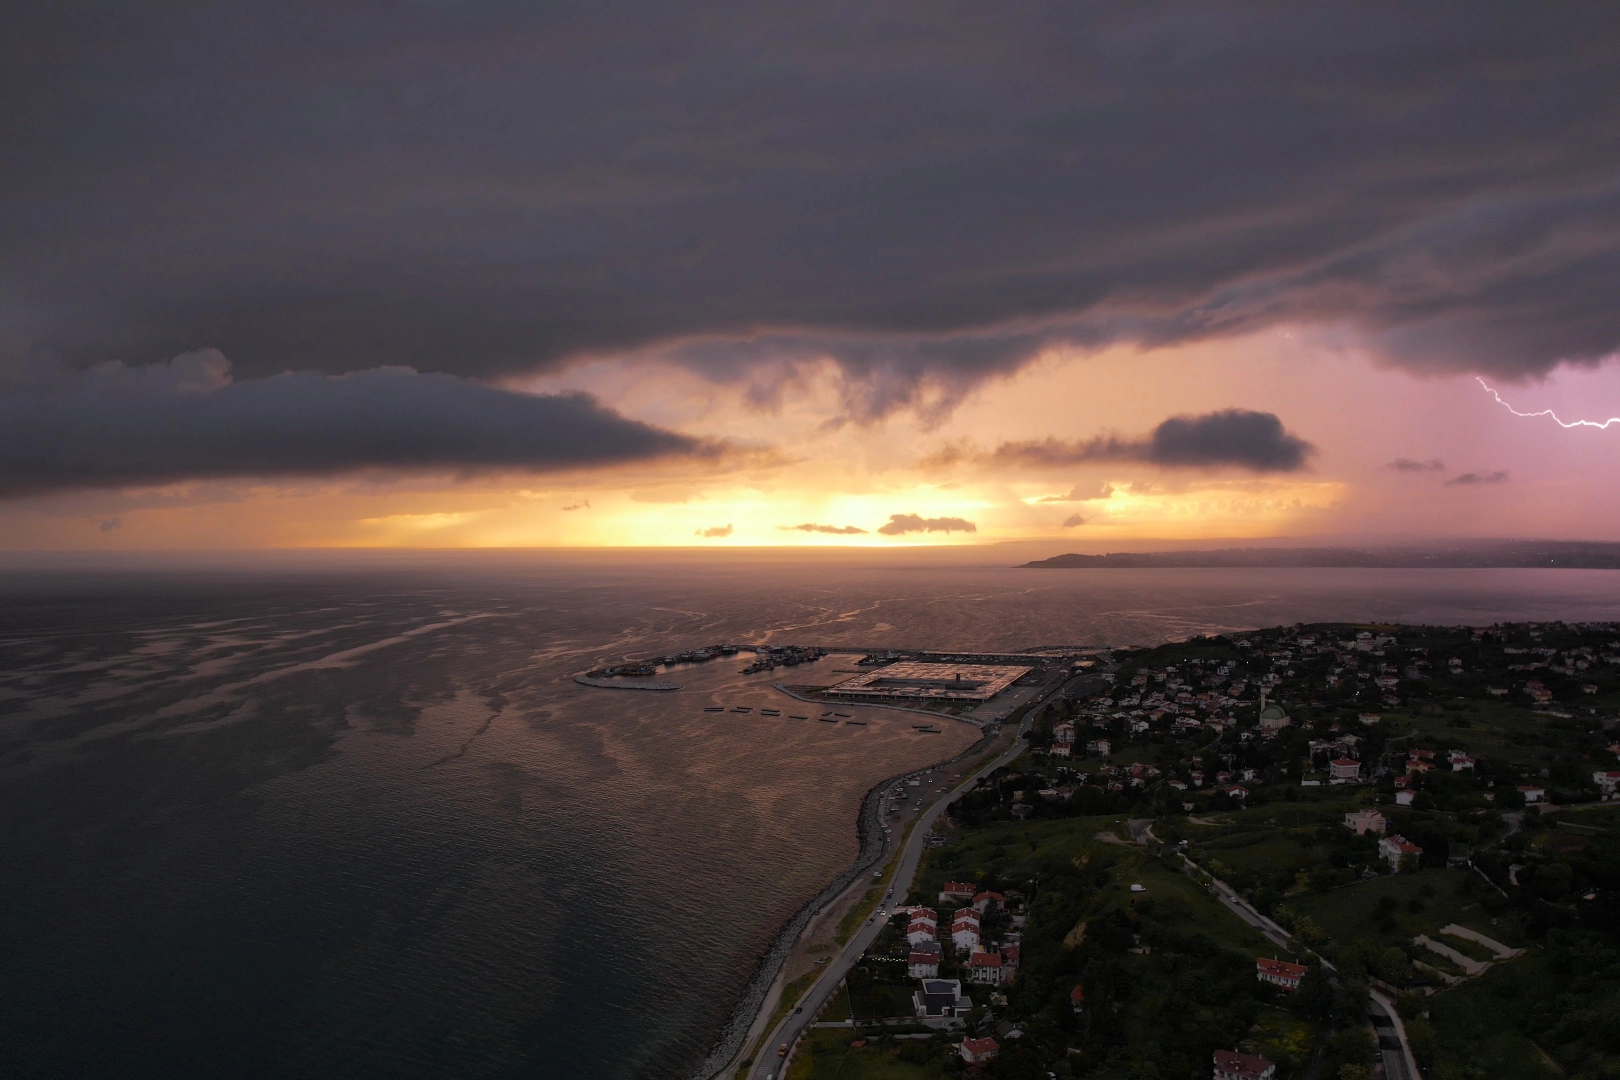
(1063, 733)
(1234, 1066)
(957, 892)
(1533, 794)
(982, 902)
(965, 934)
(1077, 999)
(1607, 782)
(1398, 851)
(979, 1051)
(922, 965)
(919, 930)
(1011, 955)
(986, 967)
(1235, 791)
(1344, 770)
(1279, 972)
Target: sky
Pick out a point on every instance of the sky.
(462, 274)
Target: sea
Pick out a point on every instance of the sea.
(351, 816)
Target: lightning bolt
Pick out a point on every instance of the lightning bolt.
(1547, 412)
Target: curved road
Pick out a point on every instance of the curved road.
(767, 1064)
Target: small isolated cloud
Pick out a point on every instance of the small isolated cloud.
(583, 504)
(900, 524)
(109, 524)
(831, 530)
(714, 532)
(1251, 440)
(1471, 479)
(1073, 520)
(1083, 492)
(1402, 464)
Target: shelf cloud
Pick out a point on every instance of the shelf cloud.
(307, 189)
(117, 426)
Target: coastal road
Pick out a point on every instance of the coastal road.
(767, 1065)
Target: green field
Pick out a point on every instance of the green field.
(1422, 903)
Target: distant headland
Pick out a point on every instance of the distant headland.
(1482, 554)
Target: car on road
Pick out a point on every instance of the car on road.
(798, 1008)
(781, 1051)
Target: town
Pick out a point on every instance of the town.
(1306, 853)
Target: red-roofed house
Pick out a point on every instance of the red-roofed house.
(1345, 769)
(1010, 957)
(1279, 972)
(986, 967)
(979, 1051)
(921, 930)
(956, 891)
(965, 934)
(984, 900)
(1533, 794)
(1077, 999)
(1607, 782)
(1231, 1066)
(1399, 851)
(922, 965)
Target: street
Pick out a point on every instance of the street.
(767, 1064)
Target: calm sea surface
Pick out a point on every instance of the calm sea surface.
(357, 820)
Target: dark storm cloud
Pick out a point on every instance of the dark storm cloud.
(117, 426)
(1242, 438)
(1469, 479)
(832, 530)
(900, 524)
(926, 195)
(1408, 465)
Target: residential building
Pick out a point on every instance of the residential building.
(984, 901)
(1279, 972)
(1063, 733)
(957, 892)
(1533, 795)
(1399, 851)
(1077, 999)
(1363, 822)
(979, 1051)
(1011, 955)
(1060, 749)
(985, 967)
(940, 997)
(1236, 791)
(1404, 797)
(1345, 770)
(1234, 1066)
(920, 930)
(923, 965)
(1607, 782)
(1099, 747)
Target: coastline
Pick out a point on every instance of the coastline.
(731, 1041)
